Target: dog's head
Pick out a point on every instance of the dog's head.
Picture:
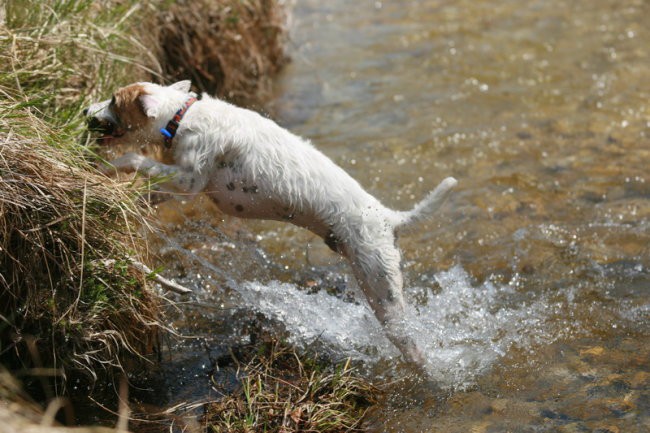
(136, 112)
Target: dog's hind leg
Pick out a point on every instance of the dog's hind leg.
(379, 276)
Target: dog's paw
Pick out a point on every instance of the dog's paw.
(107, 169)
(127, 163)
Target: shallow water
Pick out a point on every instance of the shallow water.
(530, 289)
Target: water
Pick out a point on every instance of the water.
(463, 329)
(530, 288)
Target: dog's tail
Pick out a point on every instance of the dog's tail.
(424, 209)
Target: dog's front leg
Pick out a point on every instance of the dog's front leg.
(176, 178)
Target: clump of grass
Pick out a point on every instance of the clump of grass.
(56, 55)
(66, 237)
(284, 392)
(69, 299)
(231, 48)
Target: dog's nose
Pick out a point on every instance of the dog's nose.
(94, 124)
(85, 112)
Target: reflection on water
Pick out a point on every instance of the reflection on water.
(530, 289)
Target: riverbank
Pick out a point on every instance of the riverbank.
(73, 305)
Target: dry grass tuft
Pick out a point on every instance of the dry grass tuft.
(56, 55)
(68, 295)
(230, 48)
(284, 392)
(19, 414)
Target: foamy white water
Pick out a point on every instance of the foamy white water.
(463, 329)
(347, 328)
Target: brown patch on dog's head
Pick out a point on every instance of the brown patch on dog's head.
(128, 108)
(133, 133)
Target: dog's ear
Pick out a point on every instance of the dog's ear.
(150, 104)
(183, 86)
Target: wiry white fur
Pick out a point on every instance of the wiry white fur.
(253, 168)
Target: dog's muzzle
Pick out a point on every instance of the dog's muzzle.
(102, 123)
(102, 127)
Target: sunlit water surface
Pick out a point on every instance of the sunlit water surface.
(530, 289)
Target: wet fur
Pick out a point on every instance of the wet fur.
(253, 168)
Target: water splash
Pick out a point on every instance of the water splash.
(348, 329)
(463, 329)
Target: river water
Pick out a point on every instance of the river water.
(531, 288)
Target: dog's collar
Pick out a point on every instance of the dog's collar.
(169, 131)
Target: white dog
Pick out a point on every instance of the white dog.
(253, 168)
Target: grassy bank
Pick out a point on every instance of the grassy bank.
(70, 298)
(71, 302)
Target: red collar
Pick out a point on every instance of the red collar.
(169, 131)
